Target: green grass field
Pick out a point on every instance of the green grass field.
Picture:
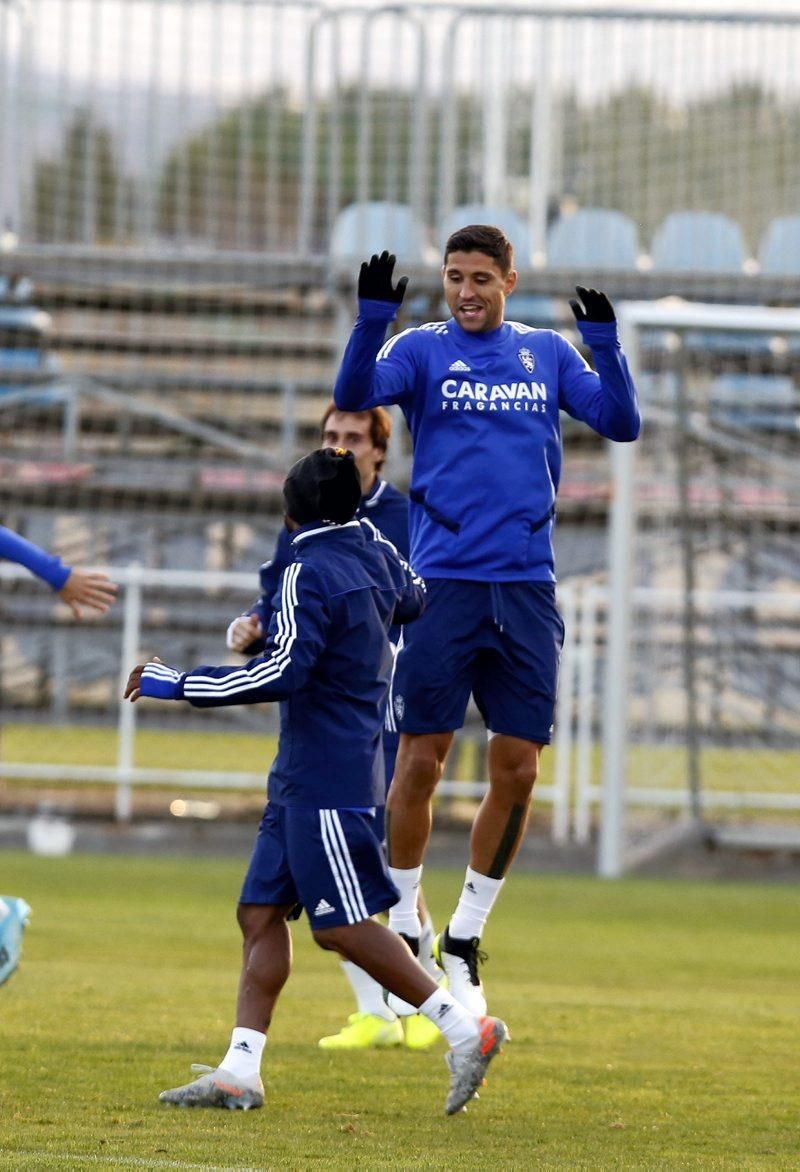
(768, 770)
(655, 1025)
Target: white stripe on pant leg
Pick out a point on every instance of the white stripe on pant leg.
(333, 861)
(344, 849)
(338, 845)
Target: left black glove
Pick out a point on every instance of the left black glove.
(375, 280)
(596, 306)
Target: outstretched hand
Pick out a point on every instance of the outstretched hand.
(88, 588)
(375, 280)
(133, 687)
(596, 306)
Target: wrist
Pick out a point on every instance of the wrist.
(373, 310)
(599, 332)
(162, 682)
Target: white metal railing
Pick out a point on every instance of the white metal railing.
(590, 791)
(145, 98)
(576, 792)
(125, 775)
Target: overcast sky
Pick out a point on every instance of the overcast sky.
(229, 48)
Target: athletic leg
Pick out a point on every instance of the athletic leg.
(503, 814)
(266, 964)
(474, 1042)
(419, 767)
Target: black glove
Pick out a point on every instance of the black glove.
(375, 280)
(597, 305)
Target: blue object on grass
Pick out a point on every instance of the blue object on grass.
(14, 913)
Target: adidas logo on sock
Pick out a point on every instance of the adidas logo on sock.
(243, 1046)
(470, 887)
(459, 366)
(323, 908)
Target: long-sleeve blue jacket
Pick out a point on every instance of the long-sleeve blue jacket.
(327, 660)
(45, 565)
(483, 412)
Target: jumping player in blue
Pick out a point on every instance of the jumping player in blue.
(481, 396)
(366, 434)
(328, 660)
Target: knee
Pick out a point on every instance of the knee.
(515, 778)
(327, 939)
(419, 767)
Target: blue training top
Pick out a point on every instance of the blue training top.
(483, 411)
(327, 660)
(45, 565)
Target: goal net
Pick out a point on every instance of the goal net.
(691, 672)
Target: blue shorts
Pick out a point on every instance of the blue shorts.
(499, 641)
(329, 860)
(390, 743)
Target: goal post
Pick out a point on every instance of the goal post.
(703, 596)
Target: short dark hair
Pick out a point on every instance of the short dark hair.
(323, 486)
(380, 426)
(483, 238)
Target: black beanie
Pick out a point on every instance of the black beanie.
(323, 486)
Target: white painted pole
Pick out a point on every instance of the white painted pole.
(565, 708)
(611, 846)
(587, 658)
(126, 728)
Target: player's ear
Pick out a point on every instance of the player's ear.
(511, 282)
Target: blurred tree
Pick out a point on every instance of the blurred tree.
(76, 196)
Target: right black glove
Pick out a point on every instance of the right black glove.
(375, 280)
(598, 307)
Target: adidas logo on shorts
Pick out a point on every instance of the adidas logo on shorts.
(323, 908)
(459, 366)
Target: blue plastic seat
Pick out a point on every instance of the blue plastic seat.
(505, 219)
(779, 252)
(593, 238)
(755, 402)
(698, 241)
(364, 228)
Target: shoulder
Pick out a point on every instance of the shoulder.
(539, 341)
(393, 498)
(519, 329)
(413, 340)
(376, 538)
(305, 573)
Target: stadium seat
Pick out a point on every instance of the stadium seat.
(507, 220)
(755, 402)
(593, 238)
(363, 228)
(779, 252)
(697, 241)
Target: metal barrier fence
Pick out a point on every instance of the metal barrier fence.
(578, 797)
(145, 619)
(245, 127)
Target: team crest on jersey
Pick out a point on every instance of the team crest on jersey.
(399, 705)
(527, 359)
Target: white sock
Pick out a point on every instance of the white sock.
(458, 1026)
(244, 1053)
(403, 917)
(476, 901)
(426, 938)
(368, 993)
